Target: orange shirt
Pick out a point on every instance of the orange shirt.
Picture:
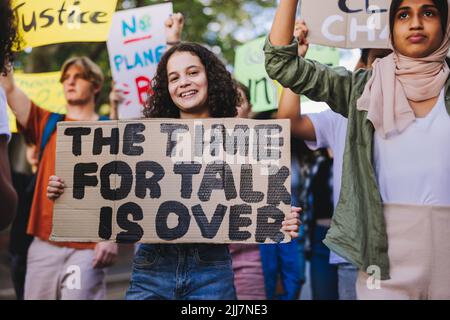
(41, 214)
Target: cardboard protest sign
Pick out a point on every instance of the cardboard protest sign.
(347, 23)
(56, 21)
(249, 69)
(44, 89)
(135, 45)
(159, 181)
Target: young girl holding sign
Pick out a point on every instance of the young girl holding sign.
(394, 210)
(190, 83)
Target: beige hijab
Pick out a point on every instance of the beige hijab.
(397, 78)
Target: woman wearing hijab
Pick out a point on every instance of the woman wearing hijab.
(394, 208)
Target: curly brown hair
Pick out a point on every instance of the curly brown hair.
(223, 96)
(8, 35)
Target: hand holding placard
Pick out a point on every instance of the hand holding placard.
(207, 181)
(301, 34)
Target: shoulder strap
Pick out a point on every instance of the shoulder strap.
(49, 128)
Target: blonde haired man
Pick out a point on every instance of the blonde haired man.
(60, 270)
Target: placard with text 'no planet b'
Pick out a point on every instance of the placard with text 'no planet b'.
(136, 44)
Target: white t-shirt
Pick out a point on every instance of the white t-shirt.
(4, 124)
(414, 166)
(331, 129)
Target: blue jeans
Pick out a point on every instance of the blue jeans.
(282, 259)
(324, 276)
(182, 272)
(347, 281)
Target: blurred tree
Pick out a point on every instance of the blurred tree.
(211, 22)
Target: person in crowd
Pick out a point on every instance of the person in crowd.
(49, 263)
(245, 257)
(394, 202)
(19, 240)
(190, 83)
(283, 263)
(326, 129)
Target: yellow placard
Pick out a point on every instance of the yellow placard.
(56, 21)
(44, 89)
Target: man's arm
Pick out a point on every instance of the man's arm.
(290, 104)
(8, 196)
(18, 101)
(290, 108)
(285, 63)
(283, 23)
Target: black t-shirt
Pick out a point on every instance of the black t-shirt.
(321, 189)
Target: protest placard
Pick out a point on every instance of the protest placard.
(56, 21)
(249, 70)
(135, 45)
(158, 181)
(44, 89)
(347, 23)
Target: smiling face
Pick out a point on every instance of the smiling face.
(188, 85)
(417, 31)
(77, 89)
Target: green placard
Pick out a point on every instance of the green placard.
(249, 69)
(325, 55)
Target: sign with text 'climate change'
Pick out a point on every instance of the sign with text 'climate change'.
(347, 23)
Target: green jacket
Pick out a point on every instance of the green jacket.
(358, 230)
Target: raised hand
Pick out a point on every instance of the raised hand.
(115, 98)
(173, 28)
(301, 34)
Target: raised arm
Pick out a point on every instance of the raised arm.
(173, 28)
(290, 104)
(283, 23)
(319, 82)
(290, 108)
(18, 101)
